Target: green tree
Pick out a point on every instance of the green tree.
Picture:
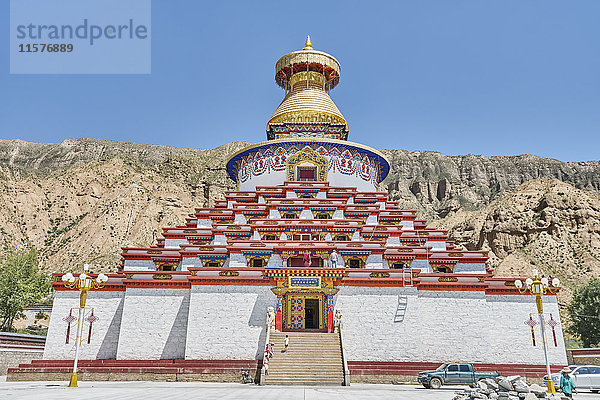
(585, 313)
(21, 285)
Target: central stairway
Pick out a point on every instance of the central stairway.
(312, 359)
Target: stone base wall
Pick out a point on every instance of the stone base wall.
(109, 376)
(411, 379)
(385, 379)
(12, 358)
(584, 356)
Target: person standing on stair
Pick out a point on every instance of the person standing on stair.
(286, 343)
(268, 351)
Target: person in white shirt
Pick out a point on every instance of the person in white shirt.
(333, 259)
(287, 344)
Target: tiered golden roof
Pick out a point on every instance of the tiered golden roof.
(307, 75)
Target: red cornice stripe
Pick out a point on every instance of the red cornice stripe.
(453, 286)
(229, 281)
(375, 282)
(109, 287)
(156, 284)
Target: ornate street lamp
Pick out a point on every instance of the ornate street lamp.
(538, 287)
(83, 283)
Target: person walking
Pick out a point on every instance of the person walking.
(286, 343)
(566, 383)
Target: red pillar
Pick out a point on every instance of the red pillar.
(330, 313)
(279, 314)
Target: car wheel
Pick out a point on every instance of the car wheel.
(435, 383)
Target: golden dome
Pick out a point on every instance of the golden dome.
(307, 105)
(306, 75)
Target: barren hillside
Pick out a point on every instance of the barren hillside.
(81, 200)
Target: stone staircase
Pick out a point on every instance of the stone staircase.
(312, 359)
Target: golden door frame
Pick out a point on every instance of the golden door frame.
(310, 156)
(288, 288)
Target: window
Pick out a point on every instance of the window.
(465, 368)
(323, 215)
(213, 264)
(167, 267)
(257, 262)
(342, 238)
(582, 371)
(453, 368)
(398, 265)
(354, 263)
(270, 237)
(307, 174)
(594, 370)
(289, 216)
(304, 236)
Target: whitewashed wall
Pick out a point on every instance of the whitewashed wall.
(336, 179)
(510, 338)
(139, 265)
(154, 324)
(442, 326)
(108, 307)
(228, 322)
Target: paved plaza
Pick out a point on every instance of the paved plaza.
(206, 391)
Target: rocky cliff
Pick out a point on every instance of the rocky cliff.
(545, 224)
(81, 200)
(440, 185)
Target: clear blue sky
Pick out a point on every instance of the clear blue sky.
(480, 77)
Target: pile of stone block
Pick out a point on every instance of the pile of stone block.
(506, 388)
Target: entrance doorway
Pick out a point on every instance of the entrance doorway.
(311, 314)
(304, 311)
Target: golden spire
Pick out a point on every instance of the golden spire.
(307, 110)
(307, 44)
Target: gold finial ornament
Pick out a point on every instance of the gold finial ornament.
(307, 44)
